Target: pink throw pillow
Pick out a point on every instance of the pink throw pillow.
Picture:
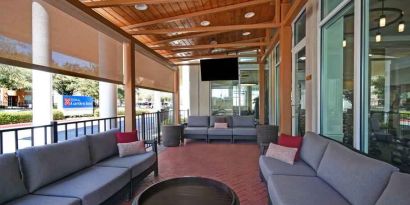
(282, 153)
(221, 125)
(132, 148)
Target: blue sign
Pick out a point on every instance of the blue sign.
(77, 101)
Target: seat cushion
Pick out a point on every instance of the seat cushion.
(313, 148)
(226, 119)
(243, 121)
(270, 166)
(103, 145)
(360, 179)
(302, 190)
(397, 191)
(93, 185)
(219, 131)
(242, 131)
(45, 200)
(11, 183)
(45, 164)
(198, 121)
(196, 130)
(136, 163)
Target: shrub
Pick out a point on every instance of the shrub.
(24, 117)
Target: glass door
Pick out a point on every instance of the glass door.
(298, 79)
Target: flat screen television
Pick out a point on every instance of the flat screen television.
(219, 69)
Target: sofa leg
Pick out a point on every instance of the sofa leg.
(261, 176)
(131, 191)
(156, 169)
(269, 201)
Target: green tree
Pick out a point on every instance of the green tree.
(64, 85)
(378, 85)
(88, 87)
(14, 78)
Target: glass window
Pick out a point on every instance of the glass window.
(300, 89)
(222, 97)
(249, 92)
(328, 6)
(277, 84)
(300, 28)
(337, 77)
(387, 79)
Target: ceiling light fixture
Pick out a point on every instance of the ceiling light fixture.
(141, 7)
(344, 43)
(205, 23)
(382, 20)
(247, 33)
(249, 15)
(378, 37)
(402, 26)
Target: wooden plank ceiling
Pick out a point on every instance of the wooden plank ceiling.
(173, 27)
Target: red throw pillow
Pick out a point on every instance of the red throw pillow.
(291, 141)
(127, 137)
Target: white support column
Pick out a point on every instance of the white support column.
(42, 81)
(108, 102)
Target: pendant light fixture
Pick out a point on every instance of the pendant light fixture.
(378, 37)
(402, 27)
(382, 20)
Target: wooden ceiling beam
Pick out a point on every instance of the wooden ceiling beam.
(199, 35)
(205, 29)
(273, 41)
(240, 63)
(198, 13)
(228, 50)
(215, 56)
(241, 41)
(209, 46)
(113, 3)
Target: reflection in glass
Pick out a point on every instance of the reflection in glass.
(337, 77)
(328, 6)
(388, 83)
(300, 91)
(300, 28)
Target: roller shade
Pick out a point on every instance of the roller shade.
(76, 48)
(151, 74)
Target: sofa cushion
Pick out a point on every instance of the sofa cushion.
(291, 141)
(132, 148)
(198, 121)
(103, 145)
(45, 164)
(127, 137)
(136, 163)
(11, 183)
(397, 191)
(196, 130)
(45, 200)
(282, 153)
(243, 121)
(219, 131)
(93, 185)
(244, 131)
(302, 190)
(358, 178)
(213, 119)
(270, 166)
(313, 148)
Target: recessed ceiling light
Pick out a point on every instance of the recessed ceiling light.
(247, 33)
(141, 7)
(205, 23)
(214, 42)
(249, 15)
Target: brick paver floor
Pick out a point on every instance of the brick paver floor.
(233, 164)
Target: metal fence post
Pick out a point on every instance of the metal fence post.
(159, 127)
(54, 132)
(143, 125)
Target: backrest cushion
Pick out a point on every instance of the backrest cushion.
(397, 191)
(11, 183)
(313, 148)
(243, 121)
(220, 119)
(360, 179)
(291, 141)
(127, 137)
(198, 121)
(103, 145)
(45, 164)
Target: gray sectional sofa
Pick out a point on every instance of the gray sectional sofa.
(82, 171)
(330, 173)
(239, 128)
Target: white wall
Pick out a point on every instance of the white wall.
(199, 93)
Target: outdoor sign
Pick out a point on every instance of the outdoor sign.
(70, 101)
(76, 105)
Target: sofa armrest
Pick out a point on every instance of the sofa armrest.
(153, 144)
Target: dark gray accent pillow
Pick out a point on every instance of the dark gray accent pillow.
(360, 179)
(397, 191)
(11, 183)
(43, 165)
(313, 148)
(103, 145)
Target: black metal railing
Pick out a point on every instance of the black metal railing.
(148, 128)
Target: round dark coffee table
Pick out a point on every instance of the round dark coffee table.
(188, 191)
